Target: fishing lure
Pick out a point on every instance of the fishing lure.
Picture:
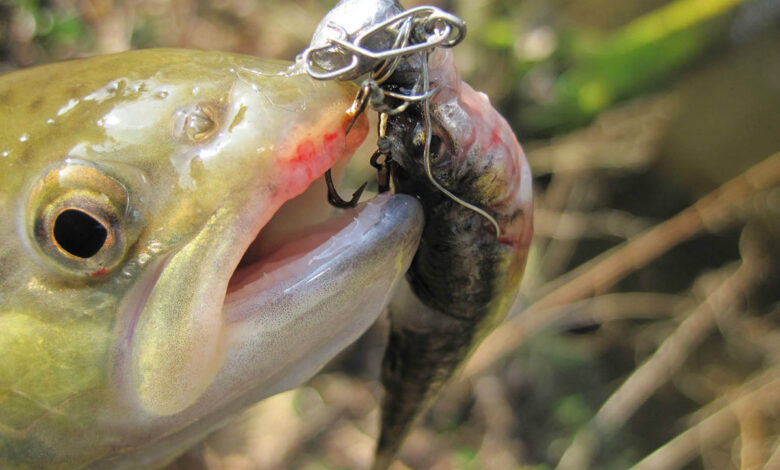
(442, 142)
(336, 53)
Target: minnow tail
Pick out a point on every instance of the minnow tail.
(419, 361)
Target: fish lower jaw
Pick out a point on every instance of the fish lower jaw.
(304, 256)
(290, 314)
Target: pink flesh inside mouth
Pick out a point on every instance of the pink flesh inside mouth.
(302, 223)
(296, 231)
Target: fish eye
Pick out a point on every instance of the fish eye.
(79, 233)
(79, 220)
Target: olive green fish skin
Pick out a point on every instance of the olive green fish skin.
(189, 153)
(463, 279)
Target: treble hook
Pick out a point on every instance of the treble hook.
(382, 171)
(359, 105)
(337, 201)
(370, 94)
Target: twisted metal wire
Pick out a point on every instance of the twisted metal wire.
(418, 30)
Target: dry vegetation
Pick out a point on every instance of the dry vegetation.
(646, 333)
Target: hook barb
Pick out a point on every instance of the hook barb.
(337, 201)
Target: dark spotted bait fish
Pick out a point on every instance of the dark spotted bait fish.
(463, 278)
(442, 142)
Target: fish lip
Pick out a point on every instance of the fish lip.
(321, 242)
(353, 130)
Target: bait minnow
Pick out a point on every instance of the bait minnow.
(463, 279)
(443, 143)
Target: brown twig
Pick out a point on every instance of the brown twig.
(595, 310)
(574, 225)
(624, 138)
(656, 371)
(774, 459)
(712, 210)
(752, 433)
(578, 196)
(760, 393)
(612, 307)
(603, 271)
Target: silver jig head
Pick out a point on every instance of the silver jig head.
(381, 39)
(367, 36)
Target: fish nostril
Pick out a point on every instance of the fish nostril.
(79, 233)
(196, 123)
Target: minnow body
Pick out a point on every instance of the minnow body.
(464, 278)
(160, 269)
(443, 143)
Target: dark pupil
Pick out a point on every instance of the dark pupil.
(79, 233)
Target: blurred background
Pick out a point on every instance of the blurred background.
(646, 336)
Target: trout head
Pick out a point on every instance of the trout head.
(166, 259)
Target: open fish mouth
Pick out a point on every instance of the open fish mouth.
(297, 234)
(312, 280)
(309, 283)
(307, 240)
(318, 276)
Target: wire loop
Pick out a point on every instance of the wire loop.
(418, 30)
